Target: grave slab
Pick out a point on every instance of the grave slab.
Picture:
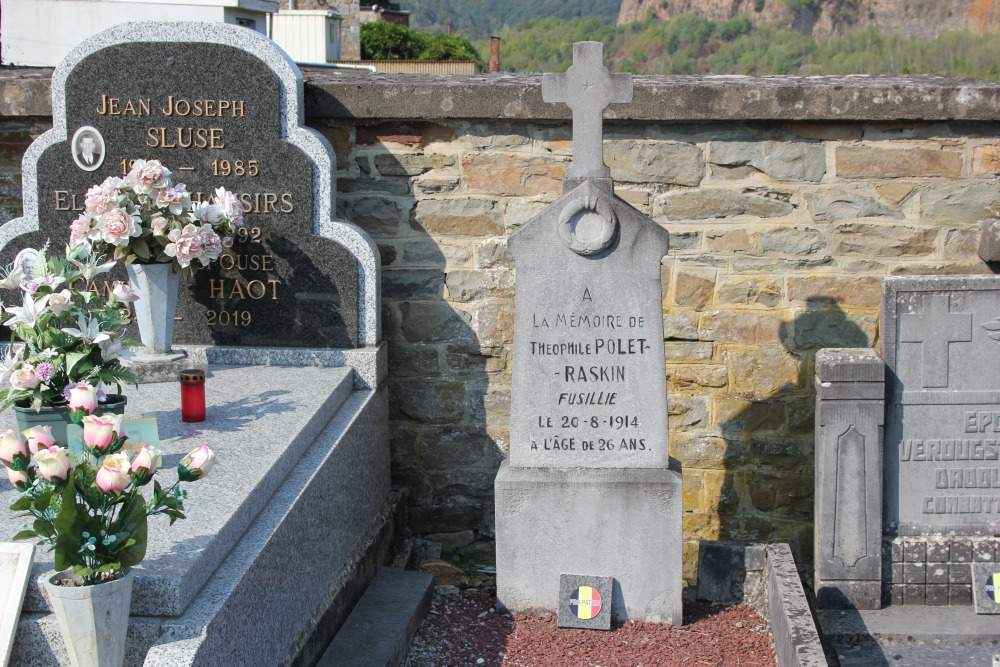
(15, 569)
(379, 629)
(300, 481)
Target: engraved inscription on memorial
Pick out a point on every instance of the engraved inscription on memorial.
(280, 283)
(942, 446)
(594, 356)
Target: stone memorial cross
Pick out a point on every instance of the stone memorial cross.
(587, 88)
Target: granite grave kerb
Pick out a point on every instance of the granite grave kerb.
(301, 276)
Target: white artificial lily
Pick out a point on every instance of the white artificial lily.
(89, 330)
(90, 267)
(29, 312)
(9, 362)
(12, 279)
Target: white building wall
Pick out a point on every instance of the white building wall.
(307, 36)
(40, 33)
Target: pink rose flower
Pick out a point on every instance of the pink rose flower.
(25, 377)
(80, 230)
(176, 199)
(100, 198)
(19, 478)
(211, 245)
(100, 433)
(82, 397)
(122, 292)
(13, 450)
(117, 227)
(145, 464)
(196, 464)
(114, 473)
(53, 464)
(39, 438)
(60, 301)
(185, 246)
(159, 223)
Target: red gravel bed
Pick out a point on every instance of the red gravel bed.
(463, 629)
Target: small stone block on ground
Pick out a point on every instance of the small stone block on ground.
(379, 629)
(986, 587)
(15, 568)
(585, 602)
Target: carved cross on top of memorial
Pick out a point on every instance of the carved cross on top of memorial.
(587, 88)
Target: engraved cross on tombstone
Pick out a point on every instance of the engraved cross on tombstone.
(936, 329)
(587, 88)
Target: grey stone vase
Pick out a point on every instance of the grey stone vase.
(156, 285)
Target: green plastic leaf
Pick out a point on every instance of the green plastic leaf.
(73, 359)
(133, 522)
(69, 529)
(140, 248)
(43, 528)
(24, 535)
(21, 504)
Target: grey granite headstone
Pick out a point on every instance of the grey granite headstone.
(986, 587)
(589, 380)
(220, 106)
(585, 602)
(589, 455)
(941, 344)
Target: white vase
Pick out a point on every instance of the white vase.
(93, 620)
(156, 286)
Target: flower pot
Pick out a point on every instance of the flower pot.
(58, 417)
(93, 620)
(156, 285)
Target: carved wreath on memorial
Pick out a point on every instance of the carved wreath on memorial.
(146, 218)
(588, 225)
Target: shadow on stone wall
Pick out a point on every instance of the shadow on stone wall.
(444, 327)
(767, 491)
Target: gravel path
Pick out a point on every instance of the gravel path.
(464, 629)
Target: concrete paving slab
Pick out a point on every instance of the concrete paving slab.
(379, 629)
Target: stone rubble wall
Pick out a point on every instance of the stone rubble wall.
(783, 222)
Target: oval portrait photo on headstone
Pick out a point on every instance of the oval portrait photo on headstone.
(585, 602)
(88, 148)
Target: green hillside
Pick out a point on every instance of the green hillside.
(478, 19)
(693, 45)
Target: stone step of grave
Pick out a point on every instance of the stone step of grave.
(259, 423)
(293, 444)
(916, 656)
(379, 629)
(911, 636)
(910, 624)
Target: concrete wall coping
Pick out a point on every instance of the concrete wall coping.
(25, 92)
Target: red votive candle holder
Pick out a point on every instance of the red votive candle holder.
(192, 395)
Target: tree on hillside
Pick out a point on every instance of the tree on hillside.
(381, 40)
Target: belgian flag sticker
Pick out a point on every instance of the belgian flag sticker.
(585, 602)
(992, 587)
